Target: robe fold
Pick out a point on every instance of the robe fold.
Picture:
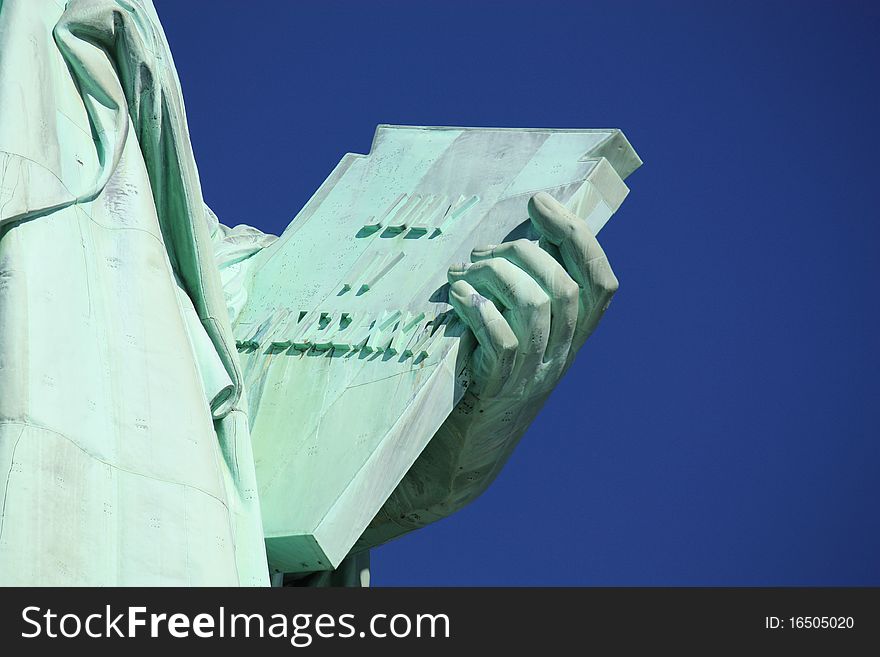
(125, 454)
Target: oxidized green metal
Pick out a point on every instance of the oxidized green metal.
(186, 403)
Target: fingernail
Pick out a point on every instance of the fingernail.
(542, 201)
(483, 250)
(460, 267)
(455, 294)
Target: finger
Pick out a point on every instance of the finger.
(582, 256)
(556, 283)
(495, 356)
(552, 249)
(526, 307)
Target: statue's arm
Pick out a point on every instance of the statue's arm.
(459, 463)
(531, 308)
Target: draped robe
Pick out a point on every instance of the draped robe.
(125, 457)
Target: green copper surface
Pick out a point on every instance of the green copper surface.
(186, 403)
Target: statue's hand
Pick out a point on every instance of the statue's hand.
(532, 306)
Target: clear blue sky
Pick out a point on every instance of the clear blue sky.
(723, 424)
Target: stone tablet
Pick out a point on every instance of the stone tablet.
(351, 354)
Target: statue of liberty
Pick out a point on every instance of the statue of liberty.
(130, 396)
